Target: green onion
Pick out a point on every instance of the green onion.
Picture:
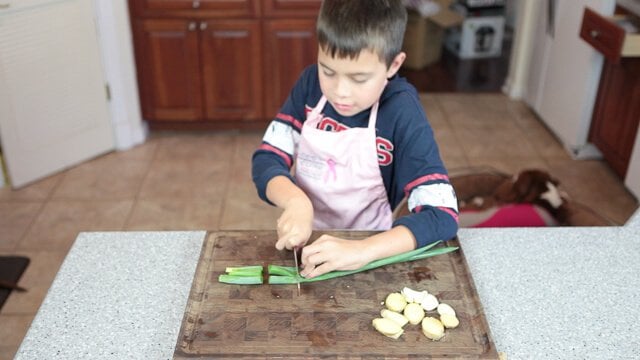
(242, 275)
(288, 275)
(240, 280)
(282, 270)
(253, 270)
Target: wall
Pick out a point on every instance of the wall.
(632, 181)
(114, 35)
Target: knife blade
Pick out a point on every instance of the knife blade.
(295, 258)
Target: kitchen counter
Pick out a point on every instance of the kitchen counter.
(548, 293)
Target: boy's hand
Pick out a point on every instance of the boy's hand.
(295, 224)
(330, 253)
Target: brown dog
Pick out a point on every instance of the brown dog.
(539, 188)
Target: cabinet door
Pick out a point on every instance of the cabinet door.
(231, 69)
(289, 47)
(617, 113)
(168, 69)
(292, 8)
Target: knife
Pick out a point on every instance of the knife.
(295, 258)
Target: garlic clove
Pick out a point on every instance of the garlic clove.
(414, 313)
(395, 302)
(429, 303)
(411, 295)
(432, 328)
(387, 327)
(449, 321)
(394, 316)
(446, 309)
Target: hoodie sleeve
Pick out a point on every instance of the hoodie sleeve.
(422, 177)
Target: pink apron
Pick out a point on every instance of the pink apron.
(339, 172)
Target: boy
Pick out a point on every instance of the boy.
(360, 142)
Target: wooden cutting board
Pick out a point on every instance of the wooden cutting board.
(331, 318)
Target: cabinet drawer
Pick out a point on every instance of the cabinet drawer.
(608, 37)
(196, 8)
(291, 8)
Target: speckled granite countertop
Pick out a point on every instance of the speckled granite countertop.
(551, 293)
(117, 295)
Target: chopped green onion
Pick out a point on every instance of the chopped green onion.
(282, 270)
(240, 280)
(254, 270)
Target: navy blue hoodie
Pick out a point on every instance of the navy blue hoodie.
(408, 155)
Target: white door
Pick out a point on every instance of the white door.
(53, 101)
(570, 71)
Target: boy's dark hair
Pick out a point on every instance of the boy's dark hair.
(346, 27)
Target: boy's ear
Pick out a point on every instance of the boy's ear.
(396, 64)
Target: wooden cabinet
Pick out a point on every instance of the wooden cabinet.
(164, 45)
(220, 63)
(616, 114)
(231, 75)
(290, 47)
(182, 8)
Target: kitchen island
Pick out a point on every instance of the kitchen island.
(547, 293)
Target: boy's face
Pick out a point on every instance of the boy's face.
(354, 85)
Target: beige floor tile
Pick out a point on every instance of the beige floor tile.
(37, 191)
(593, 183)
(180, 179)
(8, 352)
(142, 152)
(175, 214)
(512, 165)
(108, 177)
(543, 141)
(435, 115)
(494, 141)
(15, 219)
(448, 143)
(244, 210)
(13, 330)
(60, 221)
(215, 146)
(43, 267)
(452, 163)
(27, 302)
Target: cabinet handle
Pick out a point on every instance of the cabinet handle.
(203, 25)
(4, 6)
(196, 4)
(192, 26)
(594, 34)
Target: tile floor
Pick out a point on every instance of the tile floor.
(186, 181)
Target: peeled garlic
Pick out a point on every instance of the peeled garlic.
(413, 296)
(394, 316)
(429, 303)
(446, 309)
(432, 328)
(387, 327)
(414, 313)
(395, 302)
(449, 321)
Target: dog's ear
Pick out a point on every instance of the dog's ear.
(524, 186)
(505, 192)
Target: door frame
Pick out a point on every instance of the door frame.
(115, 39)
